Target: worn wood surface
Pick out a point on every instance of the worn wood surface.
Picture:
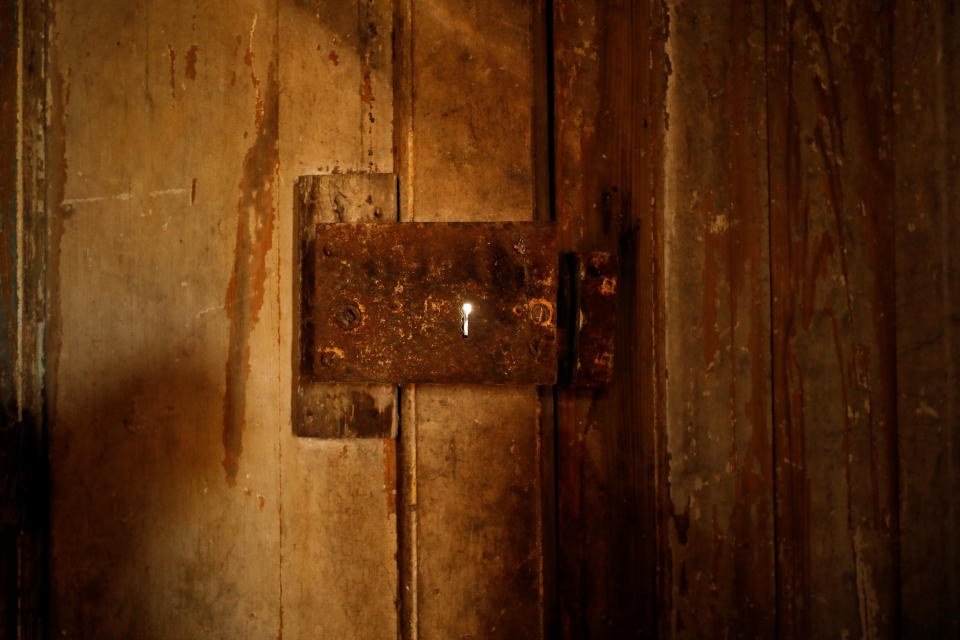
(12, 468)
(926, 82)
(467, 155)
(338, 525)
(777, 456)
(719, 500)
(831, 177)
(609, 74)
(33, 222)
(163, 194)
(178, 486)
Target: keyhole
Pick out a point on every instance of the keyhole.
(465, 319)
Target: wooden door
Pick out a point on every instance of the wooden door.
(182, 502)
(776, 455)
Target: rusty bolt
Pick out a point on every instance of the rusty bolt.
(534, 346)
(327, 250)
(327, 358)
(540, 313)
(377, 212)
(348, 315)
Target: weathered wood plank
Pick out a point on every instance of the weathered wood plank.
(477, 501)
(9, 206)
(609, 75)
(338, 539)
(12, 463)
(468, 156)
(473, 111)
(11, 474)
(338, 410)
(34, 533)
(926, 82)
(717, 324)
(163, 363)
(831, 195)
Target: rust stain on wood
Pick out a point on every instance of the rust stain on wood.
(173, 71)
(256, 216)
(366, 88)
(191, 63)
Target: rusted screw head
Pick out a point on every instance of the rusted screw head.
(534, 346)
(348, 315)
(327, 250)
(327, 358)
(540, 313)
(378, 213)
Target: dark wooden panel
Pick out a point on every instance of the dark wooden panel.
(717, 331)
(12, 468)
(389, 303)
(34, 532)
(609, 73)
(831, 195)
(9, 296)
(926, 79)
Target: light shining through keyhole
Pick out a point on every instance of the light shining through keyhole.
(465, 318)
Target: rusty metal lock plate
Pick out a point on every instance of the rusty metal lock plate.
(388, 303)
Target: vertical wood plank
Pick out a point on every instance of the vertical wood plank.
(13, 467)
(162, 360)
(609, 78)
(34, 534)
(831, 194)
(468, 155)
(717, 324)
(338, 537)
(926, 81)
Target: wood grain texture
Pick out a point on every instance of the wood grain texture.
(609, 77)
(473, 110)
(338, 522)
(183, 505)
(13, 467)
(477, 502)
(145, 519)
(831, 193)
(468, 155)
(151, 181)
(34, 532)
(926, 98)
(717, 327)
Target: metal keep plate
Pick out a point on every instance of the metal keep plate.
(388, 303)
